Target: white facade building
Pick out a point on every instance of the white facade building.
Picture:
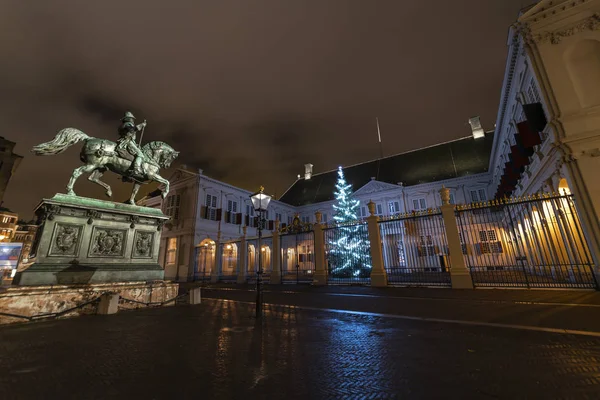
(534, 147)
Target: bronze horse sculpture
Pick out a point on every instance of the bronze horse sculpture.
(101, 155)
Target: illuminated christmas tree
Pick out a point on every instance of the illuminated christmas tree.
(349, 252)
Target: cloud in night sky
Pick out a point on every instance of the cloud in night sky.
(249, 91)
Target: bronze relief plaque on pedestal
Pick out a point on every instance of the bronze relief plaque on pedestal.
(66, 240)
(108, 242)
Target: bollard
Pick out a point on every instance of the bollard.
(194, 296)
(109, 304)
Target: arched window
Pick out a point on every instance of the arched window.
(583, 64)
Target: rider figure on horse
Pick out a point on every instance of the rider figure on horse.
(126, 142)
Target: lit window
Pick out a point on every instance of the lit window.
(171, 250)
(489, 243)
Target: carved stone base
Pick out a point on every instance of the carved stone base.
(58, 274)
(83, 241)
(461, 280)
(320, 278)
(379, 279)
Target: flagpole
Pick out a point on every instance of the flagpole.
(379, 136)
(380, 147)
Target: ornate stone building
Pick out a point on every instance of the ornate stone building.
(9, 162)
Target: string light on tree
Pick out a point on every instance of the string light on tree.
(349, 252)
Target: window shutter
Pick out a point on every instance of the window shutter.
(255, 222)
(203, 211)
(219, 214)
(247, 220)
(271, 225)
(238, 218)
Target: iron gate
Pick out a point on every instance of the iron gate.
(415, 250)
(297, 257)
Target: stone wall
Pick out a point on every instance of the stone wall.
(35, 300)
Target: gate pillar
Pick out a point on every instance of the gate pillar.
(320, 277)
(378, 272)
(459, 274)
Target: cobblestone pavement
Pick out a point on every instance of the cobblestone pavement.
(217, 351)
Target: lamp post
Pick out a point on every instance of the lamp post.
(260, 202)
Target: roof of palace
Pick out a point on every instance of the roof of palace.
(454, 159)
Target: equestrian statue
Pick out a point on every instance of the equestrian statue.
(125, 157)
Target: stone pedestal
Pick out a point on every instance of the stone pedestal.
(84, 241)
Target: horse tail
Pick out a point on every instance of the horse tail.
(64, 139)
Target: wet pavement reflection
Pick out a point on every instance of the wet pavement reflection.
(218, 350)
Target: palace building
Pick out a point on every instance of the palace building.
(546, 141)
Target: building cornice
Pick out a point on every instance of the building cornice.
(591, 23)
(511, 62)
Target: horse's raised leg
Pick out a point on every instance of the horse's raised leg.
(76, 174)
(136, 188)
(160, 179)
(95, 177)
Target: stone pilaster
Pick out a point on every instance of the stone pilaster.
(243, 264)
(276, 257)
(214, 278)
(378, 273)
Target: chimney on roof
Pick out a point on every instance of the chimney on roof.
(308, 171)
(476, 128)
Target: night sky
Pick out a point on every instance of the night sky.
(249, 91)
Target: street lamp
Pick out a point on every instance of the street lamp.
(260, 202)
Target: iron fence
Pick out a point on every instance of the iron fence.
(297, 257)
(348, 254)
(415, 249)
(537, 242)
